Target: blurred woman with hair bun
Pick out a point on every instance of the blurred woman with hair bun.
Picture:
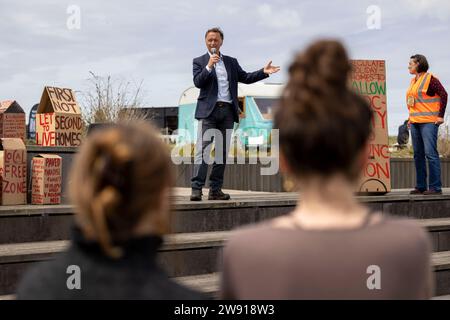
(330, 246)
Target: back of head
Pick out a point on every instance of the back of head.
(120, 177)
(323, 125)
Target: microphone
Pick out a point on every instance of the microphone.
(213, 51)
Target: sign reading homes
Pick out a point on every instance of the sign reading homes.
(58, 118)
(369, 80)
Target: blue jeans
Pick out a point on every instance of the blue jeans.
(424, 141)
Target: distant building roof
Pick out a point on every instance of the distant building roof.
(261, 90)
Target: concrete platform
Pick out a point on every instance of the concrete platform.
(192, 253)
(30, 223)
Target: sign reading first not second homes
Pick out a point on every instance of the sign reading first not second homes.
(58, 118)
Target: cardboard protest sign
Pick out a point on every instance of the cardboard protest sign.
(377, 176)
(13, 171)
(12, 120)
(46, 171)
(369, 80)
(58, 118)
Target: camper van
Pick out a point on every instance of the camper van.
(256, 102)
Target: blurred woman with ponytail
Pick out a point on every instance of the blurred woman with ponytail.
(120, 185)
(330, 246)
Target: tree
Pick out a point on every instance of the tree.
(110, 99)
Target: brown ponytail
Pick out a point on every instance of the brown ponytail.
(117, 178)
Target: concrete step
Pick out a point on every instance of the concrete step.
(439, 224)
(181, 255)
(49, 223)
(209, 283)
(42, 250)
(439, 229)
(446, 297)
(28, 223)
(206, 283)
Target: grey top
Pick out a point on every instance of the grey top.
(388, 259)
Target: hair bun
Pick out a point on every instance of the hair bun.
(323, 66)
(319, 116)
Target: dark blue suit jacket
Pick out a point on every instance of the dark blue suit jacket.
(207, 83)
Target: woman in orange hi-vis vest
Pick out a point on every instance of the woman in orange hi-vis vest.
(426, 99)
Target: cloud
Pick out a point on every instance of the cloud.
(156, 41)
(278, 18)
(228, 9)
(436, 9)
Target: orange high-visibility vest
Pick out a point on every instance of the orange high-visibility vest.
(422, 107)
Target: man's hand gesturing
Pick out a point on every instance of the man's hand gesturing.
(269, 68)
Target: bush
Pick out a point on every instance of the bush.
(443, 144)
(109, 100)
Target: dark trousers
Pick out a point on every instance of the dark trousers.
(214, 128)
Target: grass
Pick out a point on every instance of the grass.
(408, 152)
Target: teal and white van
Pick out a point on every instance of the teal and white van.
(256, 101)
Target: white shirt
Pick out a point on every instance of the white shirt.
(223, 93)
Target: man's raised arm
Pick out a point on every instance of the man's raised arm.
(251, 77)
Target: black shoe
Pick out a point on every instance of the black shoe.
(196, 195)
(416, 191)
(432, 192)
(218, 195)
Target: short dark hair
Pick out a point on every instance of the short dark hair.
(422, 61)
(216, 30)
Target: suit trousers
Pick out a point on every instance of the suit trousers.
(217, 128)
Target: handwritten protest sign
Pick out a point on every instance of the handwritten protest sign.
(46, 179)
(369, 80)
(12, 120)
(58, 118)
(13, 171)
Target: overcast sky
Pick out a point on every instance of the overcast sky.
(155, 41)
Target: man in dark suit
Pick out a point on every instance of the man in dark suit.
(217, 77)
